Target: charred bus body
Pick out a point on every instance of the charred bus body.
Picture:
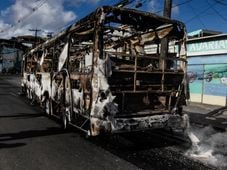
(105, 73)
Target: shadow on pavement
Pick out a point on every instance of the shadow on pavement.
(11, 145)
(22, 115)
(32, 134)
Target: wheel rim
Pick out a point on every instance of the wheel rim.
(47, 107)
(64, 120)
(28, 94)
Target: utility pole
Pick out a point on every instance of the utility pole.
(36, 33)
(164, 42)
(167, 8)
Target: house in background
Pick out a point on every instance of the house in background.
(11, 53)
(207, 67)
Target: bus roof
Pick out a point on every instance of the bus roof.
(128, 16)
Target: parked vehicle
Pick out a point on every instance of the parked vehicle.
(107, 74)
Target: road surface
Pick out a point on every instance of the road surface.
(31, 140)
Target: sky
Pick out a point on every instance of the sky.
(18, 17)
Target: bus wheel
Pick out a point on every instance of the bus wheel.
(47, 107)
(64, 119)
(28, 94)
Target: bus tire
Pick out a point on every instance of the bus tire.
(64, 120)
(47, 107)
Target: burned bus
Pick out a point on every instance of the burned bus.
(116, 70)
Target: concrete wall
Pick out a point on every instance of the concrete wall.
(207, 72)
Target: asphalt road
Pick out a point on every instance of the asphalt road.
(30, 140)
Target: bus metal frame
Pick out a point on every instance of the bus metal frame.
(105, 73)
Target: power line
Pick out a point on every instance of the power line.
(130, 2)
(179, 4)
(221, 16)
(22, 19)
(36, 33)
(221, 2)
(137, 4)
(199, 19)
(33, 10)
(142, 2)
(197, 15)
(35, 30)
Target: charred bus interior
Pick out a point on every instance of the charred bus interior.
(108, 72)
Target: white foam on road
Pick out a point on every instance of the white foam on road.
(208, 146)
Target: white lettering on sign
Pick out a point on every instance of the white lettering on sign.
(212, 45)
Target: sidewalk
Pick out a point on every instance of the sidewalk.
(207, 115)
(200, 108)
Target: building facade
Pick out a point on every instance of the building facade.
(207, 69)
(10, 56)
